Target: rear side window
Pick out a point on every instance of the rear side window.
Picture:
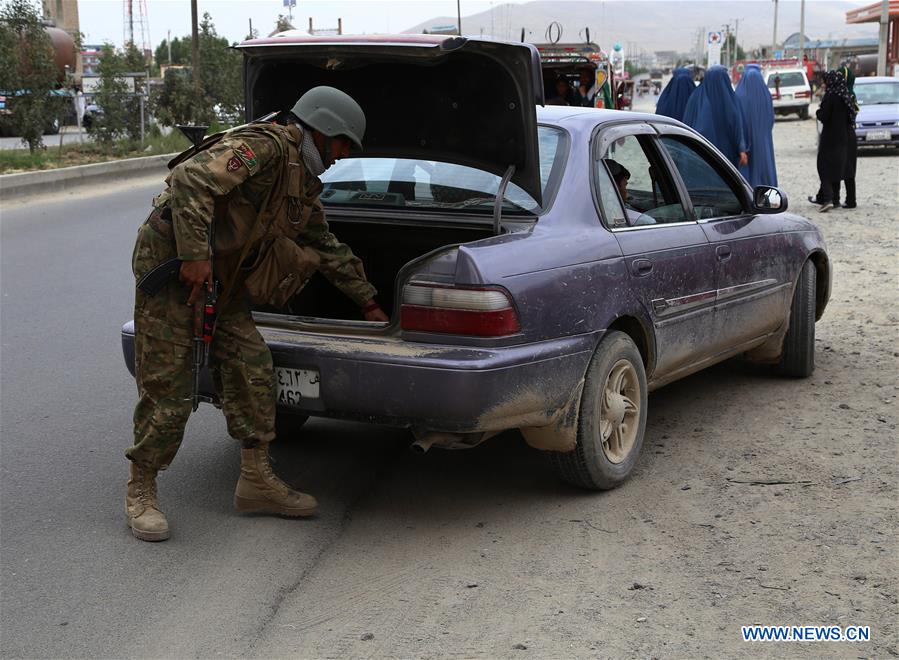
(641, 180)
(711, 194)
(787, 79)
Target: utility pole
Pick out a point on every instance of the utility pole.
(801, 30)
(168, 41)
(737, 39)
(195, 45)
(774, 39)
(459, 17)
(884, 38)
(727, 44)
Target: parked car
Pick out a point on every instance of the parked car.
(790, 91)
(877, 122)
(526, 289)
(7, 104)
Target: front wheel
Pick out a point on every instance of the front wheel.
(612, 417)
(798, 357)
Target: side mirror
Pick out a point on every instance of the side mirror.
(768, 199)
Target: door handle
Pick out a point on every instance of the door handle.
(722, 252)
(641, 267)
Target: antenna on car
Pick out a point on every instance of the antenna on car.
(193, 133)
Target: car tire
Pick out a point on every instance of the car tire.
(52, 128)
(798, 357)
(613, 406)
(803, 114)
(288, 425)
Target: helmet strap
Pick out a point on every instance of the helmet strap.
(326, 157)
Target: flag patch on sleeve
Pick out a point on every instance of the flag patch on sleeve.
(234, 164)
(246, 155)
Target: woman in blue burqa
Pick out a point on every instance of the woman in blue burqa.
(714, 111)
(673, 100)
(758, 114)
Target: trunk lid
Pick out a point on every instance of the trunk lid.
(452, 99)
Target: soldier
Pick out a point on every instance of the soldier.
(259, 185)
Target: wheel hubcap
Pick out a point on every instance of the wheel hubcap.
(620, 411)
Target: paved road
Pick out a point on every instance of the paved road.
(70, 135)
(453, 553)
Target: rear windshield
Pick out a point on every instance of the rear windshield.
(428, 184)
(787, 79)
(879, 93)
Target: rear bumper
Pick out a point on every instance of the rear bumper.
(786, 107)
(455, 389)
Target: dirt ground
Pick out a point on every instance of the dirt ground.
(484, 553)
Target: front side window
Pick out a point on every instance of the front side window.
(641, 180)
(712, 196)
(433, 185)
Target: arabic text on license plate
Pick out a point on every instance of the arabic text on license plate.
(294, 385)
(877, 135)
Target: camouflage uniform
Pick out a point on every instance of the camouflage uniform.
(257, 166)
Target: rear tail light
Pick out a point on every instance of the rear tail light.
(481, 312)
(803, 95)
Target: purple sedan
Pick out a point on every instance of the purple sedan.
(877, 122)
(543, 268)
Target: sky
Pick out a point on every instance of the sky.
(102, 20)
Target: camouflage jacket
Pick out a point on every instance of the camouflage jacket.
(256, 186)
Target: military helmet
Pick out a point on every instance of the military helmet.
(331, 112)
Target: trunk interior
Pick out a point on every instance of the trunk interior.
(384, 250)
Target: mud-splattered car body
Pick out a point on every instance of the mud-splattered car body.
(556, 280)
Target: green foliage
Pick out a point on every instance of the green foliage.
(12, 160)
(180, 51)
(134, 59)
(221, 77)
(220, 91)
(120, 116)
(28, 73)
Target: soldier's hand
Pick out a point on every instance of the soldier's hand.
(194, 274)
(371, 312)
(744, 159)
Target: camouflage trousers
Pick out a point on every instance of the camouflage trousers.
(241, 364)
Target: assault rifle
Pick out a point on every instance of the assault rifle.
(205, 311)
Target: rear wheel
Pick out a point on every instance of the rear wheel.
(612, 418)
(798, 357)
(803, 114)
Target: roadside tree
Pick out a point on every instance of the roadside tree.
(120, 108)
(28, 73)
(220, 94)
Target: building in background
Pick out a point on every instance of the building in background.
(90, 59)
(871, 14)
(829, 52)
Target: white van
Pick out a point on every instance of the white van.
(790, 91)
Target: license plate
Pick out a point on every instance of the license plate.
(295, 385)
(877, 135)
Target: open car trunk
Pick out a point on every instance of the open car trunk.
(384, 249)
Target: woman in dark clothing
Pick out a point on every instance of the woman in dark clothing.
(852, 147)
(836, 113)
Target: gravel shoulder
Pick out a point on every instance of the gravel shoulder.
(481, 553)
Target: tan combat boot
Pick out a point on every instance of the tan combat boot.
(147, 522)
(260, 491)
